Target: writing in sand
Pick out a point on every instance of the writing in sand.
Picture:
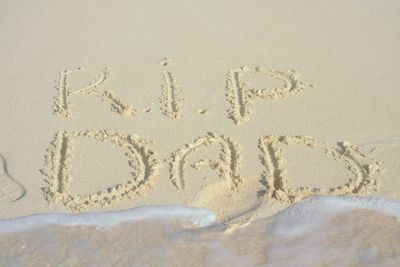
(144, 161)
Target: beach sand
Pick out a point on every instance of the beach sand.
(243, 108)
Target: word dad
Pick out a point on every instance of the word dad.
(145, 164)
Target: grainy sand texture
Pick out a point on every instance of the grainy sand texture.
(243, 108)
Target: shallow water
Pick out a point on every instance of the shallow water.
(320, 231)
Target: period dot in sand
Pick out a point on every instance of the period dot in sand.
(165, 62)
(203, 111)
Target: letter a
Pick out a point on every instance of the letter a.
(227, 168)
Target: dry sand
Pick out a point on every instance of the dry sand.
(241, 107)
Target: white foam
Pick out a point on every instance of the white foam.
(310, 238)
(198, 216)
(305, 215)
(301, 216)
(307, 234)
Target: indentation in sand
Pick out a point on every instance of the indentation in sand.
(203, 111)
(171, 99)
(63, 106)
(165, 61)
(241, 95)
(227, 167)
(147, 110)
(363, 168)
(10, 189)
(59, 164)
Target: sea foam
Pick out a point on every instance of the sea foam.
(319, 231)
(197, 216)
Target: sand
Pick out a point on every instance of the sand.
(240, 107)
